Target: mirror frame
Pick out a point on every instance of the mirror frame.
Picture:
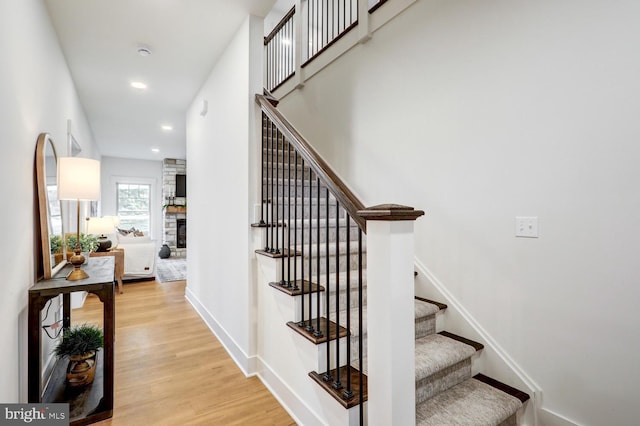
(43, 202)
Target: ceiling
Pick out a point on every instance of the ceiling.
(100, 40)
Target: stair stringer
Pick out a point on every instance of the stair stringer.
(493, 359)
(285, 358)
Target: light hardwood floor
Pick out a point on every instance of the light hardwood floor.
(171, 370)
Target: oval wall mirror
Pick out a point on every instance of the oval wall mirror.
(51, 228)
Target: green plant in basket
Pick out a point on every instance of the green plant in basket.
(79, 340)
(88, 242)
(80, 344)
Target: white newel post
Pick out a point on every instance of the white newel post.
(390, 314)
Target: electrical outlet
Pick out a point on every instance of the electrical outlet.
(527, 227)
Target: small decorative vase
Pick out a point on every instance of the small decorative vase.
(165, 252)
(82, 369)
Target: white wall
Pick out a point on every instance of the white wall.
(114, 170)
(220, 154)
(36, 95)
(478, 112)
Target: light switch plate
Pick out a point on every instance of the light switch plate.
(527, 227)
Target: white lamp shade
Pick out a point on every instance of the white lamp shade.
(100, 225)
(78, 178)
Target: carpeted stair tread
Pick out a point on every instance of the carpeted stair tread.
(470, 403)
(442, 306)
(436, 352)
(424, 309)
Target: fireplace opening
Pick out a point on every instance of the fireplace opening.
(182, 233)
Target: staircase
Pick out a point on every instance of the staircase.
(321, 248)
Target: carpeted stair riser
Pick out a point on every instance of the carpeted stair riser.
(288, 187)
(298, 233)
(442, 380)
(309, 229)
(278, 157)
(302, 206)
(341, 267)
(281, 170)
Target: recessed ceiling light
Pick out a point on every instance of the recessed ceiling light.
(156, 150)
(138, 85)
(144, 51)
(167, 127)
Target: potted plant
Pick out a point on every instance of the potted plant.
(88, 242)
(80, 344)
(56, 248)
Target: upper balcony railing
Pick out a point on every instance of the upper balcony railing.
(319, 24)
(280, 52)
(327, 20)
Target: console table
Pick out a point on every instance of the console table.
(95, 401)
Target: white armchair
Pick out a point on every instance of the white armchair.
(139, 256)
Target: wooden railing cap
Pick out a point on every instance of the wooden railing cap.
(390, 212)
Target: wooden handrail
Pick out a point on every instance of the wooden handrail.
(281, 24)
(338, 188)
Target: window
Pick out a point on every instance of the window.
(55, 215)
(134, 206)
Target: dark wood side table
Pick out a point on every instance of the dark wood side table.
(118, 254)
(95, 401)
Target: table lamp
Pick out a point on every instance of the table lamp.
(101, 226)
(78, 179)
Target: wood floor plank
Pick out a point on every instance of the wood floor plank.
(171, 370)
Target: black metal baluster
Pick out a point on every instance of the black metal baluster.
(348, 393)
(325, 27)
(283, 225)
(309, 326)
(273, 63)
(301, 323)
(270, 186)
(360, 367)
(318, 331)
(276, 222)
(278, 56)
(289, 252)
(327, 375)
(337, 384)
(291, 48)
(309, 46)
(295, 231)
(262, 171)
(274, 196)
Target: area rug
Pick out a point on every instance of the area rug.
(171, 269)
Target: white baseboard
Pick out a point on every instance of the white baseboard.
(296, 407)
(246, 363)
(255, 366)
(549, 418)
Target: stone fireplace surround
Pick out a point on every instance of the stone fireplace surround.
(170, 168)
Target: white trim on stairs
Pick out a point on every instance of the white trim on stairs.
(549, 418)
